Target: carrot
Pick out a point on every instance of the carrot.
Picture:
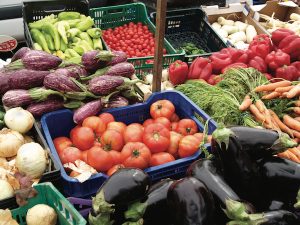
(297, 118)
(245, 104)
(293, 157)
(297, 140)
(260, 106)
(296, 152)
(297, 103)
(258, 115)
(285, 155)
(283, 89)
(291, 123)
(280, 124)
(296, 134)
(272, 95)
(273, 86)
(296, 110)
(295, 91)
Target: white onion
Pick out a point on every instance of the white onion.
(10, 142)
(41, 214)
(31, 160)
(6, 190)
(19, 119)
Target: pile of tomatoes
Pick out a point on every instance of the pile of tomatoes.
(108, 145)
(134, 39)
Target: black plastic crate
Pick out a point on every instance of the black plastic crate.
(52, 173)
(36, 10)
(190, 26)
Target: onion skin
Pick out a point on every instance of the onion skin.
(6, 190)
(41, 214)
(10, 142)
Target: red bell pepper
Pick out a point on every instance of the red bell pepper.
(268, 76)
(219, 61)
(277, 59)
(297, 65)
(178, 72)
(262, 38)
(201, 68)
(258, 63)
(237, 55)
(292, 46)
(287, 72)
(261, 46)
(234, 65)
(280, 34)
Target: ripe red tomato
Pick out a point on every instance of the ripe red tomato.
(112, 140)
(157, 137)
(187, 127)
(69, 154)
(162, 108)
(99, 159)
(133, 133)
(84, 155)
(147, 122)
(60, 143)
(164, 121)
(106, 118)
(116, 156)
(199, 136)
(95, 123)
(174, 118)
(135, 154)
(114, 169)
(117, 126)
(174, 126)
(82, 137)
(174, 143)
(161, 158)
(188, 146)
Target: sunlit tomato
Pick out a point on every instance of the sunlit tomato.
(112, 140)
(82, 137)
(174, 118)
(118, 126)
(162, 108)
(164, 121)
(99, 159)
(95, 123)
(84, 155)
(174, 126)
(134, 133)
(69, 154)
(188, 146)
(116, 156)
(114, 169)
(61, 143)
(74, 173)
(187, 127)
(209, 138)
(135, 154)
(147, 122)
(199, 136)
(161, 158)
(107, 118)
(174, 143)
(157, 137)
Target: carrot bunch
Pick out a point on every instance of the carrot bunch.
(291, 154)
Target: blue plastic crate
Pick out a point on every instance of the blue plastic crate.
(59, 123)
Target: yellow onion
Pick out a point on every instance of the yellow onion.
(10, 142)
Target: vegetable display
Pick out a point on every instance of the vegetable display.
(66, 35)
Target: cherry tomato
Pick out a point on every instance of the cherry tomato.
(133, 133)
(60, 143)
(114, 169)
(95, 123)
(117, 126)
(136, 154)
(99, 159)
(107, 118)
(112, 140)
(187, 127)
(82, 137)
(162, 108)
(161, 158)
(188, 146)
(157, 137)
(164, 121)
(70, 154)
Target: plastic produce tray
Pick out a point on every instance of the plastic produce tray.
(189, 25)
(52, 173)
(113, 16)
(83, 206)
(49, 195)
(60, 123)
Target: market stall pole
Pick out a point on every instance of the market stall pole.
(159, 44)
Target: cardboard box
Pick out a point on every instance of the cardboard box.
(279, 10)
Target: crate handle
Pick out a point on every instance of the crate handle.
(115, 11)
(58, 8)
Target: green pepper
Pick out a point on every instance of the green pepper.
(39, 38)
(97, 44)
(82, 17)
(49, 40)
(62, 28)
(86, 45)
(68, 15)
(39, 24)
(76, 39)
(67, 55)
(86, 37)
(79, 49)
(63, 46)
(95, 32)
(50, 29)
(85, 24)
(72, 53)
(72, 23)
(73, 32)
(60, 54)
(36, 46)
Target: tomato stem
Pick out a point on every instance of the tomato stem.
(136, 153)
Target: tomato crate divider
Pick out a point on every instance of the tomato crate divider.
(60, 123)
(113, 16)
(52, 173)
(190, 26)
(49, 195)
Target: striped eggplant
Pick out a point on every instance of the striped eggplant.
(39, 108)
(89, 109)
(95, 59)
(119, 57)
(60, 83)
(116, 102)
(4, 83)
(20, 53)
(72, 71)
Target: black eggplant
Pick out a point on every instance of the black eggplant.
(154, 209)
(281, 180)
(123, 187)
(190, 202)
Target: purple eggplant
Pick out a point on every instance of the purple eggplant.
(123, 69)
(120, 57)
(74, 71)
(20, 53)
(60, 83)
(116, 102)
(39, 108)
(35, 60)
(94, 60)
(89, 109)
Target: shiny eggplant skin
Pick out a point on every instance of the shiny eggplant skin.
(280, 217)
(190, 202)
(157, 208)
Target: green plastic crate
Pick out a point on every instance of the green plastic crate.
(49, 195)
(111, 17)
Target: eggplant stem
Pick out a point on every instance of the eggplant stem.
(135, 211)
